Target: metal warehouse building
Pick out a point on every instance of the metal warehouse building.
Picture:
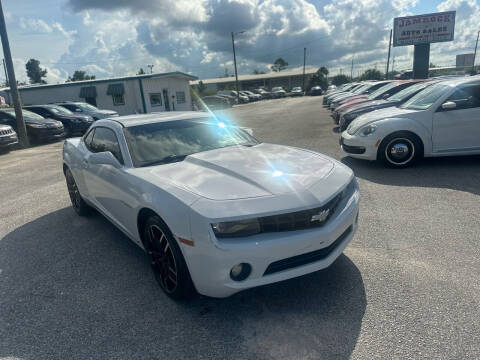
(287, 79)
(126, 95)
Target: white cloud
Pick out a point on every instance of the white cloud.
(37, 25)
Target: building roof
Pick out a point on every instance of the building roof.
(106, 80)
(270, 75)
(142, 119)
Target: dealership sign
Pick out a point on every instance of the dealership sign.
(423, 29)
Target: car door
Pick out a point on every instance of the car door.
(107, 185)
(457, 129)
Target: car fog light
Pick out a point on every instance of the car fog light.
(240, 271)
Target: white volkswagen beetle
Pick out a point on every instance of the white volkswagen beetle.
(215, 209)
(442, 120)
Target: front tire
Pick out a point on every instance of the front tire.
(400, 150)
(78, 204)
(168, 264)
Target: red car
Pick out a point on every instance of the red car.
(379, 94)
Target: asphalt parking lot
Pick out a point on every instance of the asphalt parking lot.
(407, 287)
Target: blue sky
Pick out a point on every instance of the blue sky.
(117, 37)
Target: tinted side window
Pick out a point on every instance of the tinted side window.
(88, 139)
(466, 97)
(105, 140)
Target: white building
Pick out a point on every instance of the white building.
(126, 95)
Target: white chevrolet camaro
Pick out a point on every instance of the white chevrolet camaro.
(216, 210)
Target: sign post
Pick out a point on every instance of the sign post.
(420, 31)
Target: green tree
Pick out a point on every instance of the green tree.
(371, 74)
(201, 87)
(323, 70)
(340, 79)
(319, 79)
(279, 65)
(34, 72)
(80, 75)
(257, 72)
(141, 72)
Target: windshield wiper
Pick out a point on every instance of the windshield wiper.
(166, 160)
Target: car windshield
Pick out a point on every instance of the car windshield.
(59, 110)
(298, 88)
(405, 93)
(426, 98)
(87, 107)
(381, 91)
(162, 143)
(27, 115)
(361, 89)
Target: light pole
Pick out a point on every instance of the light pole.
(475, 53)
(235, 63)
(22, 131)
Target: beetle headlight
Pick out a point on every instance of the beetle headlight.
(367, 130)
(236, 228)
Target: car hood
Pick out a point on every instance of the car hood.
(370, 106)
(47, 122)
(240, 172)
(389, 112)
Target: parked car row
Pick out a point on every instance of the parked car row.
(403, 121)
(50, 121)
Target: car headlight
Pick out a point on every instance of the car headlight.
(367, 130)
(236, 228)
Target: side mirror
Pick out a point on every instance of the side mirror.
(104, 158)
(449, 105)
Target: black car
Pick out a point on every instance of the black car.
(316, 91)
(38, 128)
(74, 124)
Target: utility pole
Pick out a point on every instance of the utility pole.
(6, 75)
(151, 68)
(235, 64)
(475, 53)
(22, 131)
(388, 58)
(303, 76)
(351, 70)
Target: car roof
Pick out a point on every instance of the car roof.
(461, 80)
(142, 119)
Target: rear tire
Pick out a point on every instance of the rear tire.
(400, 150)
(78, 204)
(168, 264)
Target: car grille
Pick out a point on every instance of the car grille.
(6, 132)
(300, 219)
(308, 258)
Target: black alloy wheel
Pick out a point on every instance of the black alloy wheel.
(167, 261)
(78, 204)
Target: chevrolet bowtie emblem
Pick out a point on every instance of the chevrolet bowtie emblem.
(321, 216)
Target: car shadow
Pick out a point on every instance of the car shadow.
(457, 173)
(78, 288)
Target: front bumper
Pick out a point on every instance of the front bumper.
(8, 140)
(211, 260)
(359, 147)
